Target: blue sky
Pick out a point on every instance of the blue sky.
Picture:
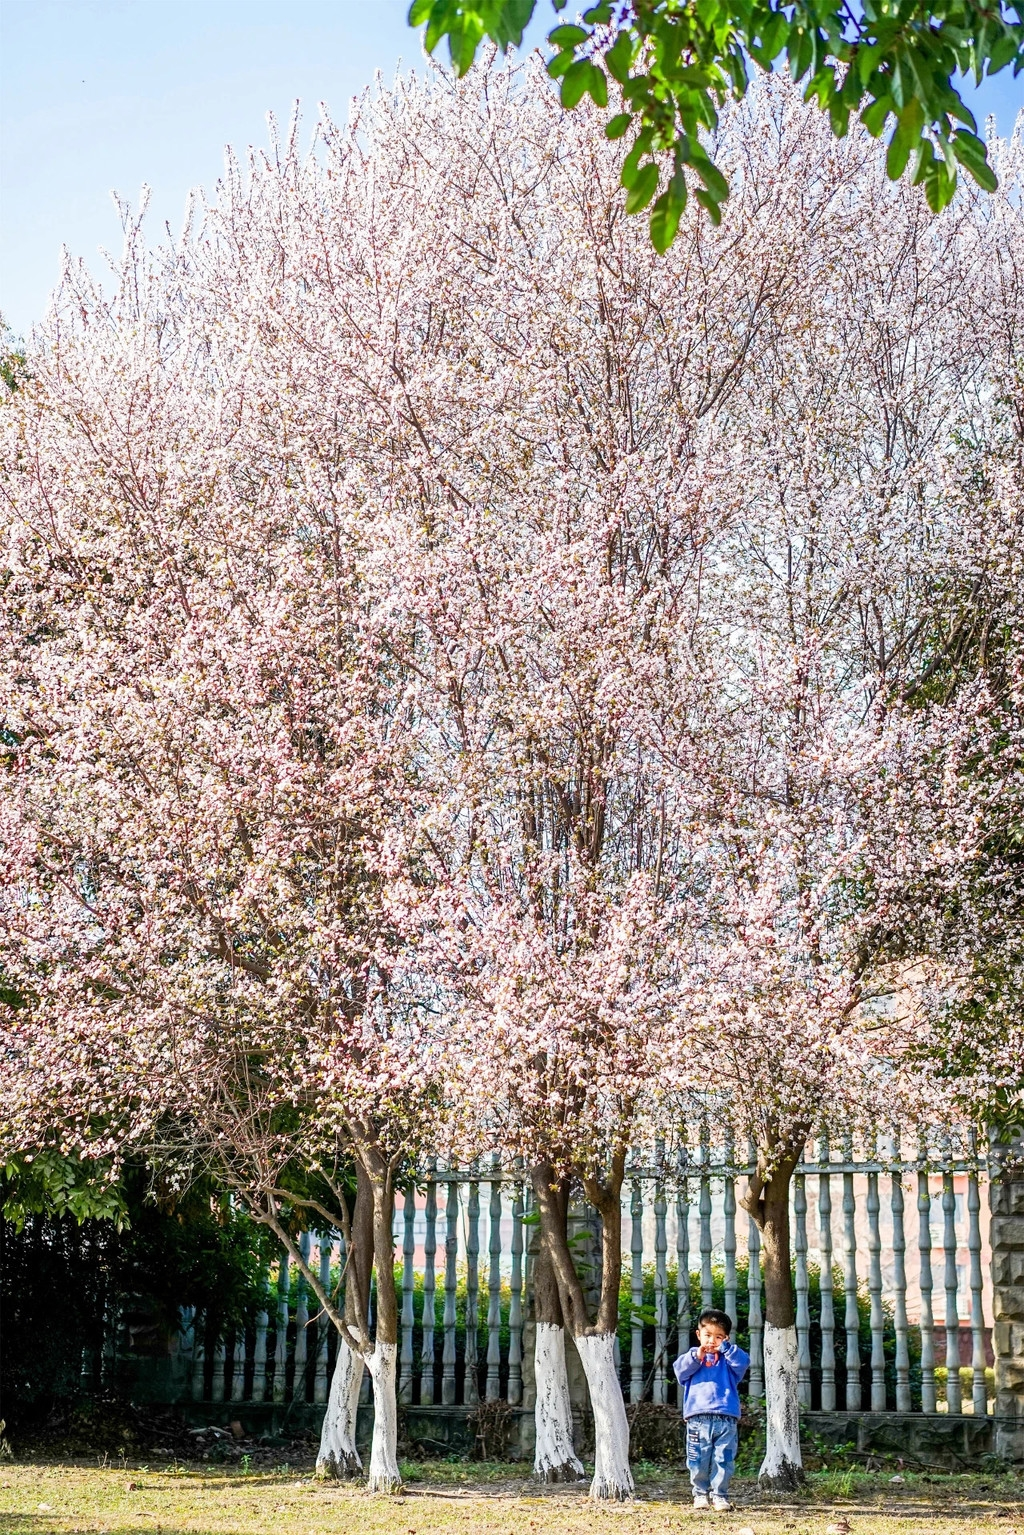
(98, 95)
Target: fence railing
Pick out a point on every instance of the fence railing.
(892, 1277)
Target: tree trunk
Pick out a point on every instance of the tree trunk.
(595, 1342)
(382, 1363)
(338, 1455)
(555, 1458)
(767, 1200)
(383, 1367)
(371, 1246)
(612, 1476)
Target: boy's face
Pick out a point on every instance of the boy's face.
(710, 1337)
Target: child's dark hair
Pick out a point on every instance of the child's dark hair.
(720, 1319)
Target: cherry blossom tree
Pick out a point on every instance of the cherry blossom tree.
(208, 789)
(835, 826)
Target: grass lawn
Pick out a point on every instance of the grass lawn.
(75, 1498)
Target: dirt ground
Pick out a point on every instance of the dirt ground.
(39, 1497)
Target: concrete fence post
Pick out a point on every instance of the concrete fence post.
(1006, 1203)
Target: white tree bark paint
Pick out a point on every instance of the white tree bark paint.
(782, 1467)
(612, 1476)
(554, 1458)
(338, 1455)
(383, 1367)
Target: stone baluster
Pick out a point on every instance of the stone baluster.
(851, 1316)
(899, 1278)
(451, 1253)
(323, 1326)
(826, 1281)
(707, 1292)
(729, 1233)
(660, 1293)
(952, 1320)
(407, 1361)
(238, 1364)
(301, 1324)
(979, 1389)
(803, 1314)
(281, 1330)
(683, 1266)
(515, 1317)
(755, 1314)
(429, 1253)
(220, 1366)
(875, 1292)
(636, 1348)
(186, 1348)
(924, 1250)
(198, 1357)
(471, 1382)
(493, 1388)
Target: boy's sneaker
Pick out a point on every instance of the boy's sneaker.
(700, 1500)
(720, 1505)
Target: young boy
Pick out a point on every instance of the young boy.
(709, 1376)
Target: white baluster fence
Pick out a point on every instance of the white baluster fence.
(883, 1323)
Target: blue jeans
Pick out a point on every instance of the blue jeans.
(712, 1440)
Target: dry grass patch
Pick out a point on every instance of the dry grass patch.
(444, 1499)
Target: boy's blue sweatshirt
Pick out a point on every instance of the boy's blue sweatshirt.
(711, 1384)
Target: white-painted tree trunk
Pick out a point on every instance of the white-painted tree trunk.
(338, 1455)
(782, 1467)
(612, 1476)
(554, 1457)
(383, 1367)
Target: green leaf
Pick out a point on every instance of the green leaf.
(567, 37)
(419, 12)
(631, 164)
(820, 87)
(576, 83)
(867, 56)
(665, 217)
(709, 204)
(1003, 51)
(617, 126)
(643, 189)
(773, 34)
(619, 58)
(598, 85)
(970, 151)
(874, 116)
(905, 139)
(925, 161)
(839, 116)
(939, 188)
(710, 175)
